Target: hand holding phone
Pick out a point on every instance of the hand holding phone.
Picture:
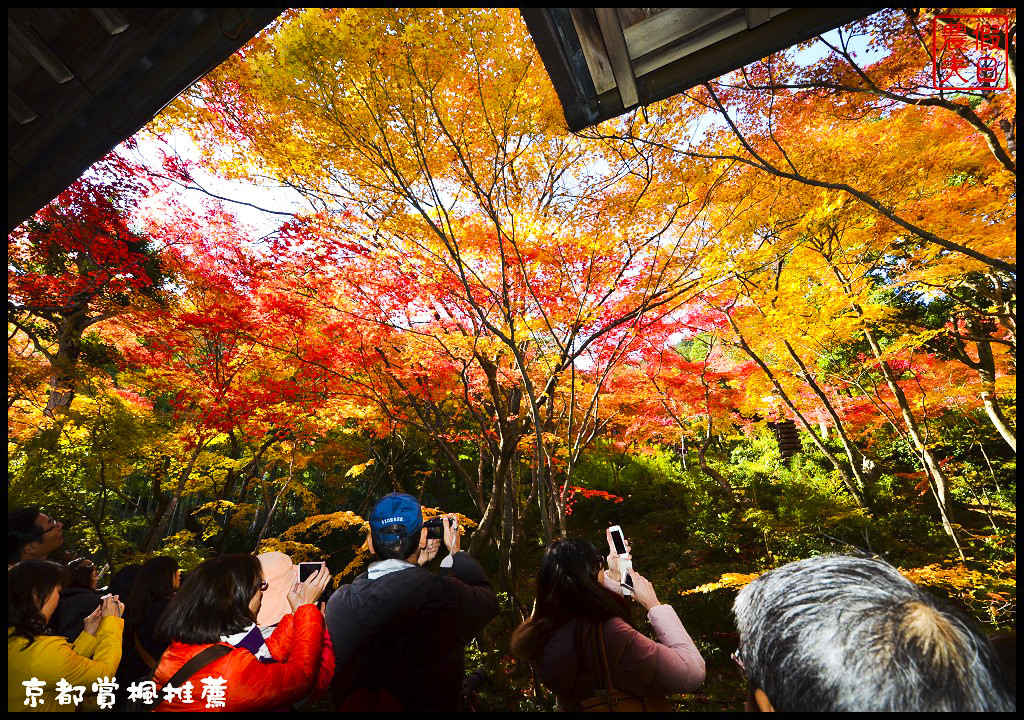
(452, 533)
(111, 606)
(308, 569)
(91, 623)
(643, 591)
(617, 541)
(307, 591)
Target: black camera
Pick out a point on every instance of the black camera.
(435, 528)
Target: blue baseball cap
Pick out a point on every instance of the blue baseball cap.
(395, 516)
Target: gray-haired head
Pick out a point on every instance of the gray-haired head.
(840, 633)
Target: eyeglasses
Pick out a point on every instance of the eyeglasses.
(53, 524)
(264, 585)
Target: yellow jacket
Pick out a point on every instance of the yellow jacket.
(51, 658)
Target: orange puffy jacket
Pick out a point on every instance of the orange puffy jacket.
(297, 644)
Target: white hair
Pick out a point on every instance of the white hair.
(841, 633)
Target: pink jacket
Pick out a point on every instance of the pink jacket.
(569, 666)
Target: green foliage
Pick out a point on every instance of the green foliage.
(117, 547)
(84, 470)
(799, 508)
(184, 548)
(99, 354)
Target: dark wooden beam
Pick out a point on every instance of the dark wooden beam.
(559, 48)
(663, 54)
(615, 44)
(82, 81)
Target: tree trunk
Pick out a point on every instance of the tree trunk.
(936, 477)
(165, 520)
(64, 365)
(987, 372)
(487, 520)
(999, 420)
(155, 514)
(507, 567)
(540, 482)
(853, 454)
(251, 468)
(476, 490)
(710, 471)
(277, 500)
(702, 462)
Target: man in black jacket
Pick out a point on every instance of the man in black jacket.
(399, 630)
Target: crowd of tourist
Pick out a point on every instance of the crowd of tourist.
(252, 633)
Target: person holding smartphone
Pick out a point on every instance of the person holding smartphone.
(286, 583)
(37, 658)
(218, 604)
(582, 623)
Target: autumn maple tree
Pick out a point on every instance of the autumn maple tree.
(214, 352)
(466, 194)
(77, 262)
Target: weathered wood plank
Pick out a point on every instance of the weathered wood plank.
(668, 26)
(594, 50)
(618, 54)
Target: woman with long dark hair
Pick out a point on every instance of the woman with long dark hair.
(582, 624)
(77, 600)
(34, 656)
(151, 593)
(217, 605)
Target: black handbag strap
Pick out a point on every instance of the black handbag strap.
(198, 662)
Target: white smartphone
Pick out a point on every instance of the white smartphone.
(618, 540)
(625, 563)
